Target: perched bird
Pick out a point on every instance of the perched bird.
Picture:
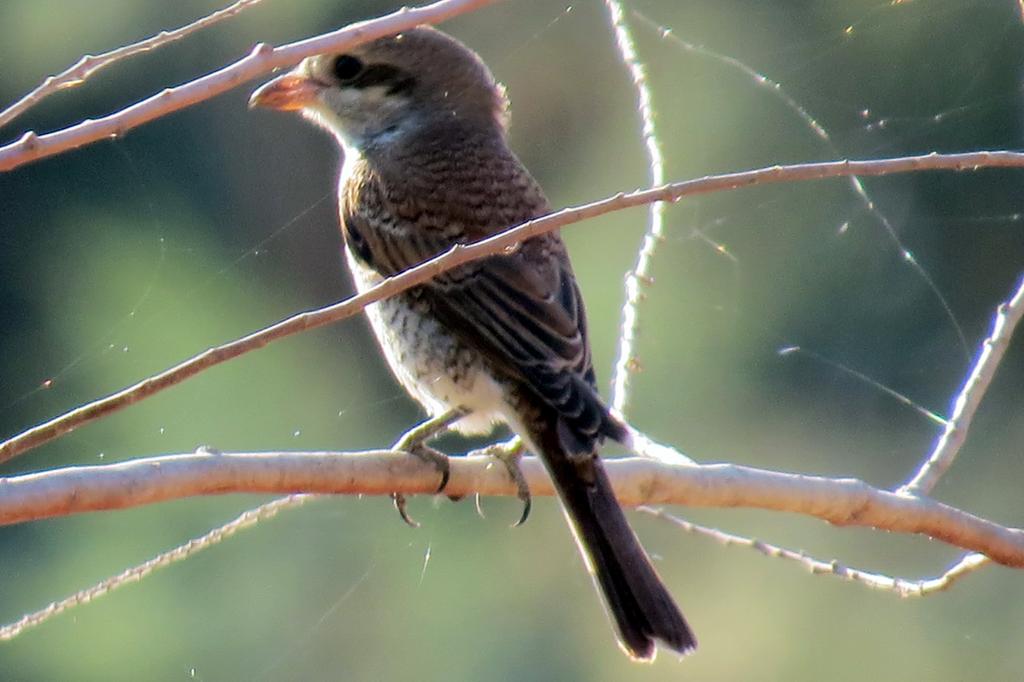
(422, 125)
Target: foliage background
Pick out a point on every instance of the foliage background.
(126, 256)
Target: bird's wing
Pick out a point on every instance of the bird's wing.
(522, 312)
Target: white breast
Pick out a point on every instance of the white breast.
(431, 364)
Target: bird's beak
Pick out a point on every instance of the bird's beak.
(289, 92)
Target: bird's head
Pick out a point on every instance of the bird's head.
(382, 90)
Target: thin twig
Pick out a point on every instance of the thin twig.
(626, 363)
(463, 254)
(637, 481)
(993, 348)
(137, 573)
(262, 59)
(77, 73)
(903, 587)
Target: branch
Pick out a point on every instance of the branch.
(626, 363)
(262, 59)
(77, 73)
(162, 560)
(974, 389)
(637, 481)
(462, 254)
(967, 564)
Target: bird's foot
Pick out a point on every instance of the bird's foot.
(509, 454)
(414, 441)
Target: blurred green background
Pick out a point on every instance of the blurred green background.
(128, 255)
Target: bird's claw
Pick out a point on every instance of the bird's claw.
(399, 500)
(509, 454)
(414, 441)
(430, 456)
(522, 488)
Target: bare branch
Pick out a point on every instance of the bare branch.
(903, 587)
(162, 560)
(262, 59)
(499, 243)
(1008, 314)
(626, 362)
(642, 444)
(637, 481)
(77, 73)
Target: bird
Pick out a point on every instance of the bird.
(422, 126)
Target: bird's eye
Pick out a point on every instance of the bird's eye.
(346, 67)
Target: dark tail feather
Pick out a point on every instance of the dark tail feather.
(637, 601)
